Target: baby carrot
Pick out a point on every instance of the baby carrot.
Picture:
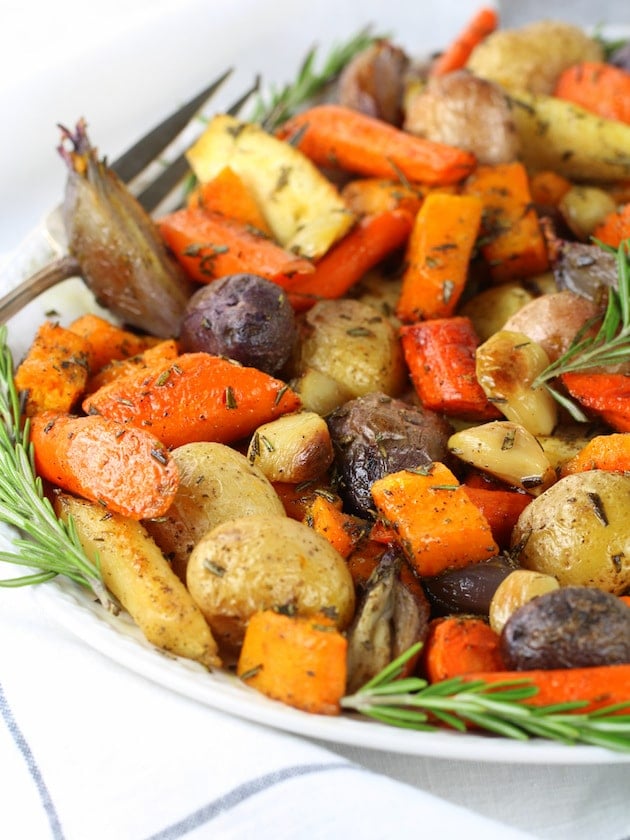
(597, 86)
(606, 394)
(196, 397)
(615, 227)
(209, 245)
(369, 242)
(227, 194)
(126, 470)
(108, 342)
(342, 530)
(438, 255)
(455, 56)
(332, 135)
(459, 644)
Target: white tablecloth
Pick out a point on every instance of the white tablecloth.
(89, 750)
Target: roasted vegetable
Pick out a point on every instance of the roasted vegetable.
(243, 317)
(122, 257)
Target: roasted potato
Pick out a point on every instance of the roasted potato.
(490, 309)
(266, 562)
(293, 448)
(577, 531)
(136, 572)
(354, 344)
(303, 209)
(217, 483)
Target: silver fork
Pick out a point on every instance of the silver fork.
(151, 191)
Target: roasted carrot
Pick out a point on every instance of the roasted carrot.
(438, 255)
(54, 371)
(126, 470)
(367, 244)
(367, 196)
(603, 452)
(297, 498)
(458, 645)
(332, 135)
(615, 227)
(625, 599)
(501, 507)
(209, 245)
(514, 244)
(597, 86)
(167, 350)
(227, 194)
(108, 342)
(194, 398)
(342, 530)
(600, 686)
(440, 355)
(548, 187)
(300, 661)
(455, 56)
(438, 525)
(606, 394)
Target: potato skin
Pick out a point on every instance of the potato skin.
(217, 483)
(570, 627)
(266, 562)
(577, 531)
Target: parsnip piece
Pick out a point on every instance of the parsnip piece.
(506, 365)
(507, 451)
(490, 309)
(320, 392)
(558, 135)
(519, 587)
(303, 209)
(136, 572)
(293, 448)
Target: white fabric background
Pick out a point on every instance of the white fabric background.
(87, 749)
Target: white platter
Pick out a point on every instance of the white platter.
(120, 640)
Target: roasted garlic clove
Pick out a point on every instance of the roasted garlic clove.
(507, 451)
(506, 365)
(120, 252)
(519, 587)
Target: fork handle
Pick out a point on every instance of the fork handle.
(62, 269)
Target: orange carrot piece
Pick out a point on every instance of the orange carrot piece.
(515, 246)
(456, 55)
(458, 645)
(601, 88)
(332, 135)
(600, 686)
(342, 530)
(548, 187)
(625, 599)
(108, 342)
(198, 397)
(615, 227)
(209, 245)
(367, 196)
(297, 498)
(438, 525)
(501, 508)
(603, 452)
(167, 350)
(440, 355)
(126, 470)
(438, 255)
(366, 245)
(54, 371)
(300, 661)
(227, 194)
(606, 394)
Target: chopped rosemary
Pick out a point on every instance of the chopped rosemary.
(500, 708)
(47, 544)
(609, 346)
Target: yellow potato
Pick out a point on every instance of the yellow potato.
(216, 483)
(577, 531)
(304, 210)
(136, 572)
(266, 562)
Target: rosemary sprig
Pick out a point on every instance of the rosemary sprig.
(281, 103)
(46, 544)
(500, 708)
(609, 346)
